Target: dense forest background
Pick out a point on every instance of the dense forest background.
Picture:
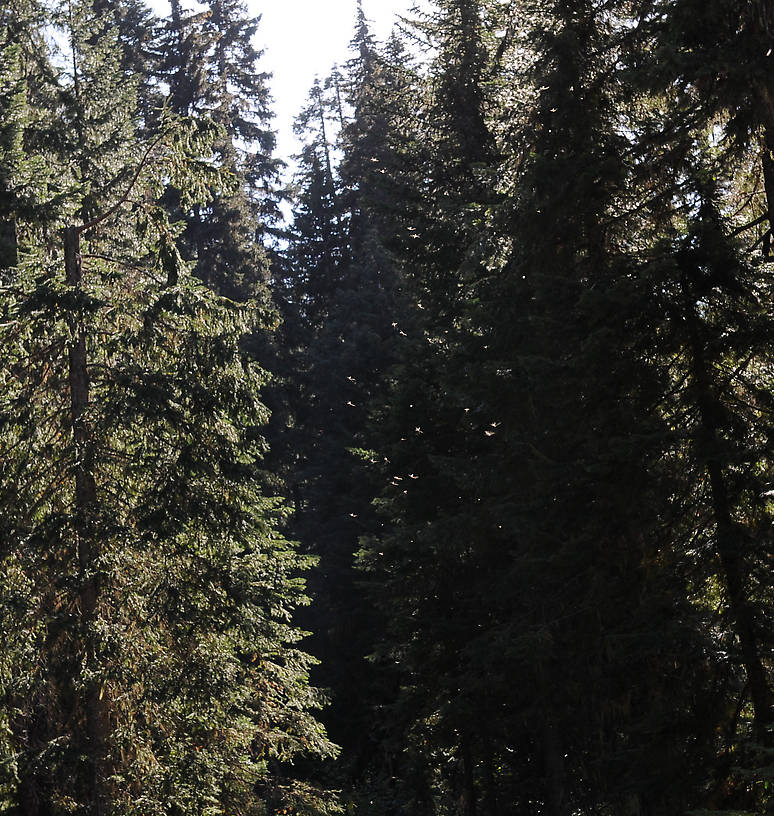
(454, 497)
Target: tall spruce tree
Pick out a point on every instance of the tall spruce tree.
(147, 596)
(591, 562)
(341, 299)
(523, 514)
(212, 71)
(424, 561)
(706, 170)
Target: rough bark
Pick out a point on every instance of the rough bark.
(87, 543)
(8, 243)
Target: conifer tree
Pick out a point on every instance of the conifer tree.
(212, 71)
(147, 595)
(509, 556)
(423, 560)
(588, 446)
(342, 301)
(709, 189)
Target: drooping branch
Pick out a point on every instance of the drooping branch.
(125, 197)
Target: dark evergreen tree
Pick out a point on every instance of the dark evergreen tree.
(593, 562)
(212, 72)
(340, 294)
(706, 176)
(524, 545)
(424, 563)
(342, 299)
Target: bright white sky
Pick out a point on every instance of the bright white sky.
(305, 38)
(302, 39)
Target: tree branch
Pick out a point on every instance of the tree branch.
(740, 230)
(100, 218)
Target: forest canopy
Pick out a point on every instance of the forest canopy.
(452, 495)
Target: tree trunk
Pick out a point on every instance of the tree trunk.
(491, 805)
(728, 535)
(87, 543)
(468, 798)
(557, 800)
(8, 243)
